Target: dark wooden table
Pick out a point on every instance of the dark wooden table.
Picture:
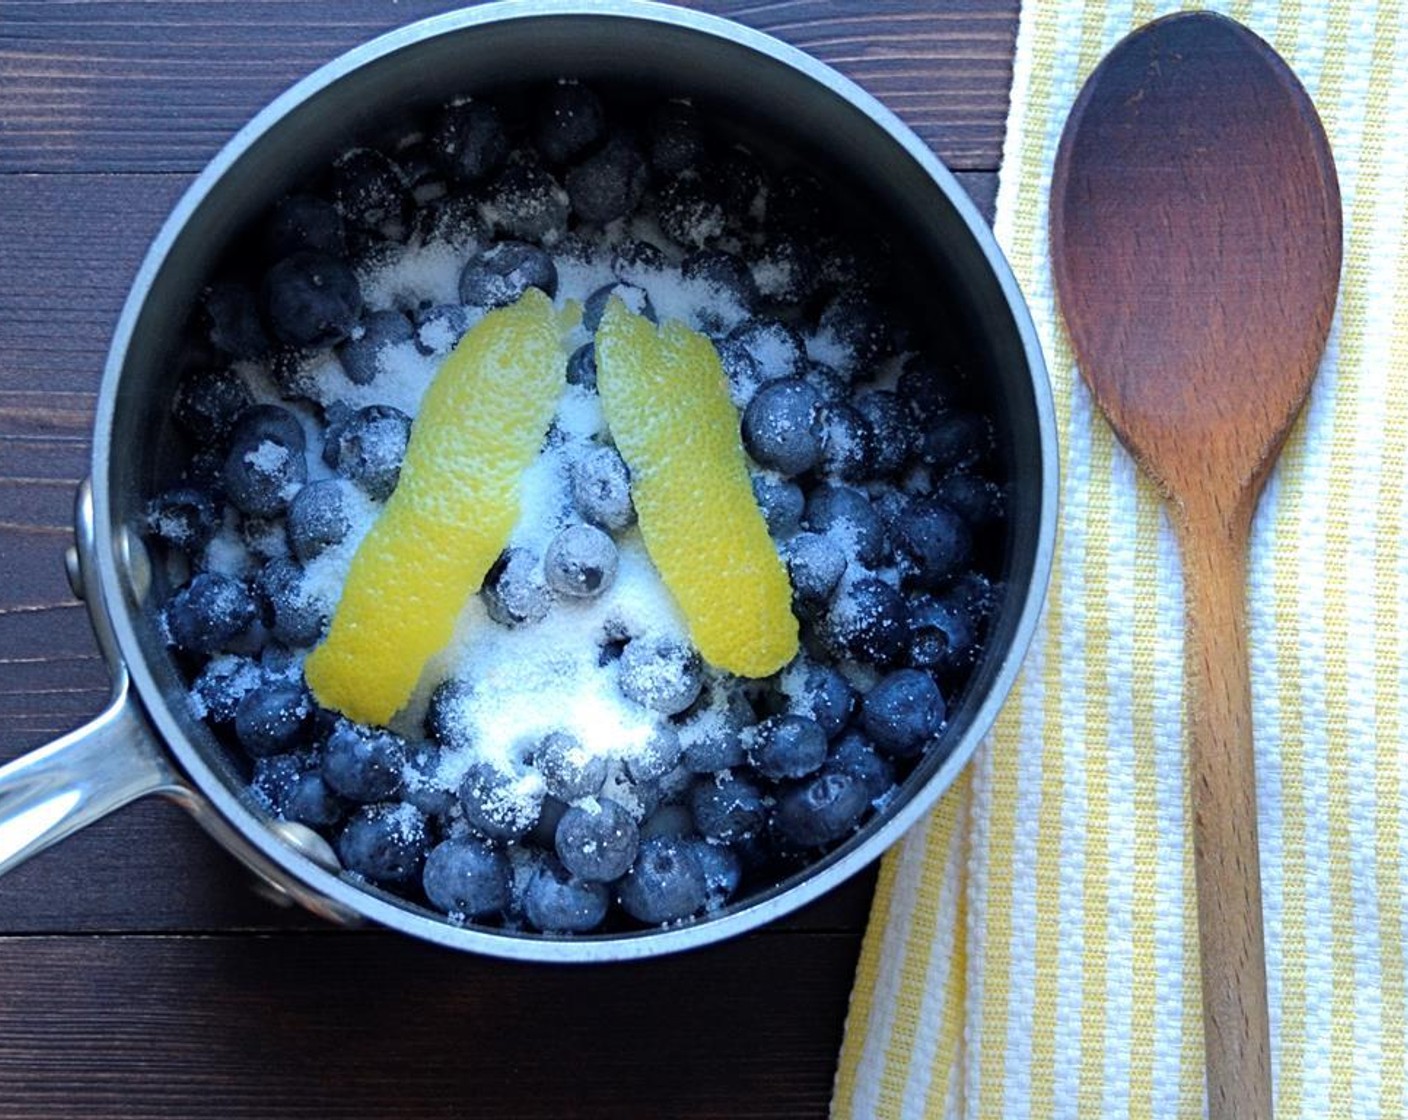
(139, 974)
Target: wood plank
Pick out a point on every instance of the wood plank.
(159, 86)
(323, 1026)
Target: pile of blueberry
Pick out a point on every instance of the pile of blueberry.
(875, 469)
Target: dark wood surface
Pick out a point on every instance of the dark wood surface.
(139, 974)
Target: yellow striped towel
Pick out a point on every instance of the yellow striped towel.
(1033, 950)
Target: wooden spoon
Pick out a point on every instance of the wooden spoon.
(1195, 242)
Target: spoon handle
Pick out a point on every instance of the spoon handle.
(1222, 772)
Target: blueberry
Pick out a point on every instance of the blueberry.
(661, 673)
(922, 385)
(272, 717)
(667, 820)
(896, 434)
(220, 686)
(581, 366)
(822, 809)
(855, 755)
(601, 489)
(515, 590)
(543, 835)
(499, 275)
(580, 562)
(426, 780)
(232, 321)
(821, 692)
(500, 805)
(727, 808)
(847, 515)
(303, 222)
(658, 756)
(635, 261)
(369, 448)
(798, 202)
(815, 564)
(209, 613)
(466, 878)
(363, 354)
(371, 191)
(568, 771)
(665, 884)
(780, 428)
(444, 718)
(292, 615)
(208, 403)
(827, 381)
(468, 140)
(787, 746)
(311, 299)
(597, 841)
(690, 211)
(932, 542)
(711, 735)
(723, 871)
(848, 442)
(859, 328)
(781, 502)
(567, 120)
(979, 501)
(903, 712)
(184, 518)
(317, 519)
(439, 328)
(311, 802)
(555, 901)
(527, 203)
(744, 186)
(608, 184)
(944, 634)
(265, 465)
(453, 220)
(868, 621)
(636, 299)
(785, 270)
(956, 439)
(274, 778)
(674, 138)
(726, 279)
(364, 763)
(385, 843)
(776, 347)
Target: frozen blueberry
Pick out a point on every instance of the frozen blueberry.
(932, 542)
(362, 354)
(822, 809)
(665, 884)
(868, 621)
(896, 434)
(787, 746)
(979, 501)
(272, 717)
(311, 299)
(657, 757)
(364, 763)
(232, 321)
(854, 754)
(292, 615)
(785, 270)
(567, 120)
(776, 347)
(944, 633)
(635, 261)
(555, 901)
(439, 328)
(727, 808)
(385, 843)
(848, 442)
(601, 489)
(636, 299)
(780, 428)
(903, 712)
(608, 184)
(596, 841)
(580, 562)
(955, 439)
(581, 366)
(184, 518)
(209, 613)
(711, 735)
(674, 138)
(221, 685)
(468, 141)
(500, 274)
(515, 591)
(208, 403)
(847, 515)
(568, 771)
(466, 878)
(855, 323)
(311, 802)
(317, 519)
(371, 191)
(527, 203)
(726, 278)
(369, 448)
(660, 673)
(690, 211)
(723, 871)
(502, 806)
(781, 502)
(815, 564)
(444, 722)
(821, 692)
(302, 222)
(265, 466)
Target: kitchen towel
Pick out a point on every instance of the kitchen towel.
(1033, 945)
